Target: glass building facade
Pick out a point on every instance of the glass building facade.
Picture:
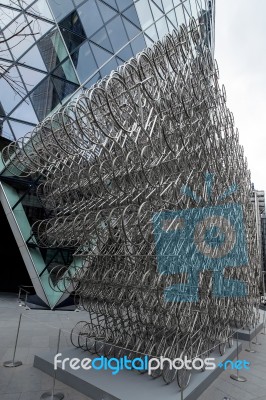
(68, 45)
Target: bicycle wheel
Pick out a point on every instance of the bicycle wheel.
(183, 377)
(169, 373)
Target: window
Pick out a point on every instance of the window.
(33, 58)
(72, 41)
(132, 15)
(144, 13)
(20, 129)
(84, 62)
(117, 33)
(25, 112)
(106, 12)
(73, 24)
(41, 8)
(100, 54)
(61, 8)
(44, 98)
(30, 77)
(64, 88)
(122, 4)
(52, 49)
(19, 44)
(90, 17)
(66, 71)
(101, 38)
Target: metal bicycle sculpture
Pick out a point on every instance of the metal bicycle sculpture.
(145, 177)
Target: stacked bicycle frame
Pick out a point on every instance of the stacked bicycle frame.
(111, 160)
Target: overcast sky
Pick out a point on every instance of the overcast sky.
(240, 50)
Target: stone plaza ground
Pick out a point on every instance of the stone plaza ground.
(39, 332)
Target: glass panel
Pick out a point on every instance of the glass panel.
(194, 9)
(93, 80)
(199, 6)
(11, 97)
(106, 12)
(156, 12)
(122, 4)
(101, 38)
(160, 4)
(33, 58)
(41, 9)
(90, 17)
(162, 27)
(4, 52)
(7, 16)
(64, 88)
(132, 15)
(111, 3)
(187, 11)
(168, 5)
(78, 2)
(188, 3)
(30, 77)
(66, 71)
(19, 44)
(180, 15)
(119, 61)
(39, 27)
(100, 54)
(72, 41)
(6, 131)
(84, 62)
(25, 3)
(44, 98)
(171, 16)
(138, 44)
(152, 33)
(110, 66)
(126, 53)
(61, 8)
(131, 29)
(52, 49)
(7, 3)
(144, 13)
(2, 111)
(170, 25)
(177, 2)
(117, 33)
(148, 41)
(25, 112)
(73, 24)
(20, 129)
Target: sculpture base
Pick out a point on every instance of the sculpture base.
(245, 334)
(128, 385)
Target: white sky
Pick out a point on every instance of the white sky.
(240, 50)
